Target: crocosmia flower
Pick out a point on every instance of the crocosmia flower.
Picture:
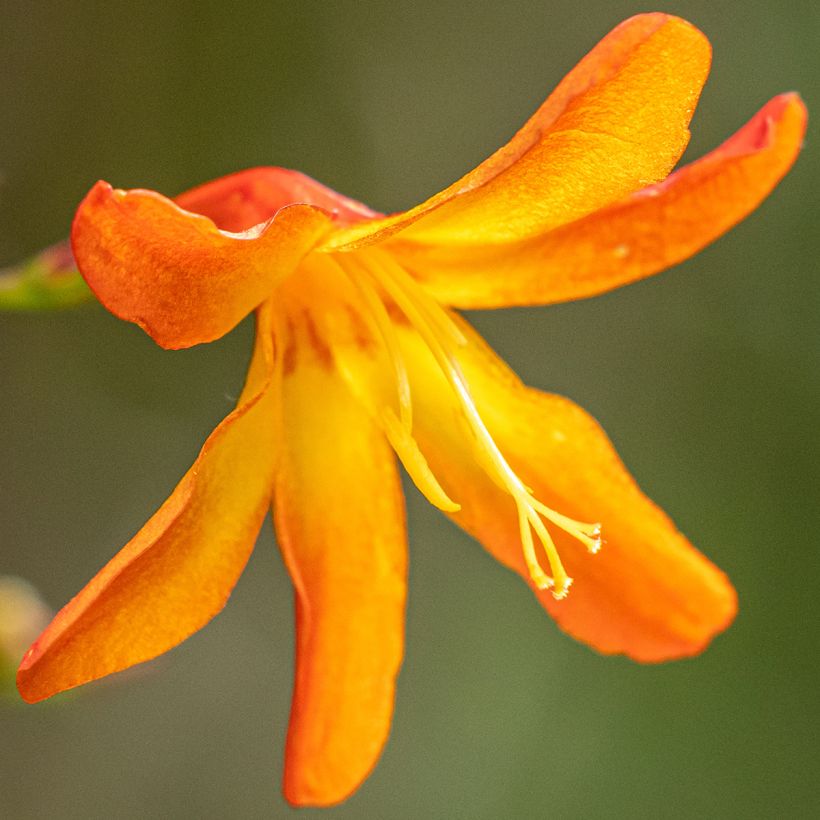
(360, 357)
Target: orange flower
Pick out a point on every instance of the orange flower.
(358, 356)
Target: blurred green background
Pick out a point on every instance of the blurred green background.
(707, 378)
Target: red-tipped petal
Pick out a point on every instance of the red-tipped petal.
(634, 238)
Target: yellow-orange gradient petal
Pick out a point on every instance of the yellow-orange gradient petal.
(179, 570)
(634, 238)
(173, 272)
(648, 593)
(618, 122)
(339, 519)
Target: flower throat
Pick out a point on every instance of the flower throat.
(383, 284)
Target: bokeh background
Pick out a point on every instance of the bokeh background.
(707, 378)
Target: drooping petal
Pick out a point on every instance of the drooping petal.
(179, 570)
(173, 272)
(340, 524)
(634, 238)
(648, 593)
(618, 122)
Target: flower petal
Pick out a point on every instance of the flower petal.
(239, 201)
(179, 570)
(173, 272)
(617, 122)
(634, 238)
(234, 203)
(648, 594)
(340, 524)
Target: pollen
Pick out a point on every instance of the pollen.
(376, 275)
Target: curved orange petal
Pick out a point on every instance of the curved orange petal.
(174, 273)
(616, 123)
(239, 201)
(648, 594)
(634, 238)
(236, 203)
(179, 570)
(340, 524)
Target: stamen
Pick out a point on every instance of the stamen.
(440, 333)
(588, 534)
(539, 577)
(398, 429)
(435, 315)
(560, 578)
(415, 463)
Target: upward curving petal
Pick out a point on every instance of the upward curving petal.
(173, 272)
(648, 593)
(617, 122)
(179, 570)
(339, 520)
(642, 234)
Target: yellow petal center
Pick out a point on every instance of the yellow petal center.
(382, 284)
